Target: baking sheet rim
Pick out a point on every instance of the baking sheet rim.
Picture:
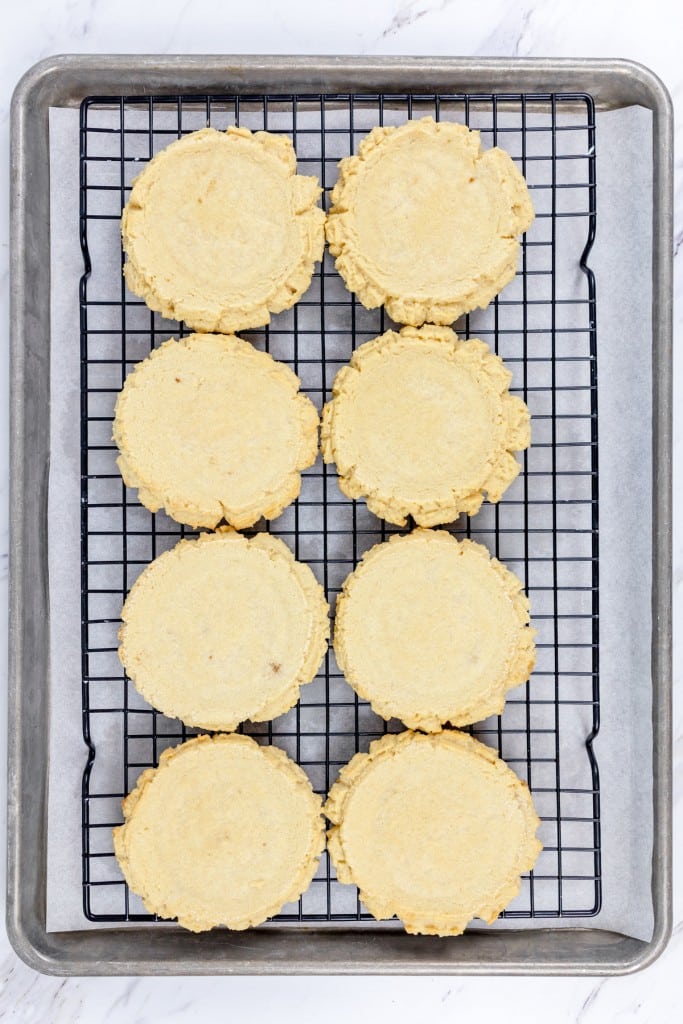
(56, 80)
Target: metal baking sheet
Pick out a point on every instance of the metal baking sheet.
(584, 950)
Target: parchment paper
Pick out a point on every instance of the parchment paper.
(622, 264)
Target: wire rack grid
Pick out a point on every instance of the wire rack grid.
(545, 528)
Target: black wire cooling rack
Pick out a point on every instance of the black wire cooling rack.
(545, 528)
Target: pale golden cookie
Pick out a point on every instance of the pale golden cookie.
(209, 428)
(426, 224)
(220, 231)
(223, 832)
(433, 630)
(423, 425)
(433, 829)
(223, 629)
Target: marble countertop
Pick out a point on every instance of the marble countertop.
(639, 30)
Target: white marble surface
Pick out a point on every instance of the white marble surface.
(644, 30)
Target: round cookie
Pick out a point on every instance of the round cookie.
(220, 231)
(209, 428)
(423, 425)
(433, 630)
(433, 829)
(223, 832)
(426, 224)
(222, 629)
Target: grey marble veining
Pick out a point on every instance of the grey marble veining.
(641, 30)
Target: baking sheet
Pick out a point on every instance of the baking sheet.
(623, 746)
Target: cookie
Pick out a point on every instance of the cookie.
(422, 424)
(433, 829)
(223, 832)
(425, 223)
(223, 629)
(209, 428)
(433, 630)
(220, 231)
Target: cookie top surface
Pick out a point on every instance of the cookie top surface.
(223, 832)
(433, 630)
(209, 428)
(223, 629)
(422, 424)
(434, 829)
(426, 223)
(220, 231)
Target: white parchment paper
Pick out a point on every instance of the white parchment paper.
(621, 261)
